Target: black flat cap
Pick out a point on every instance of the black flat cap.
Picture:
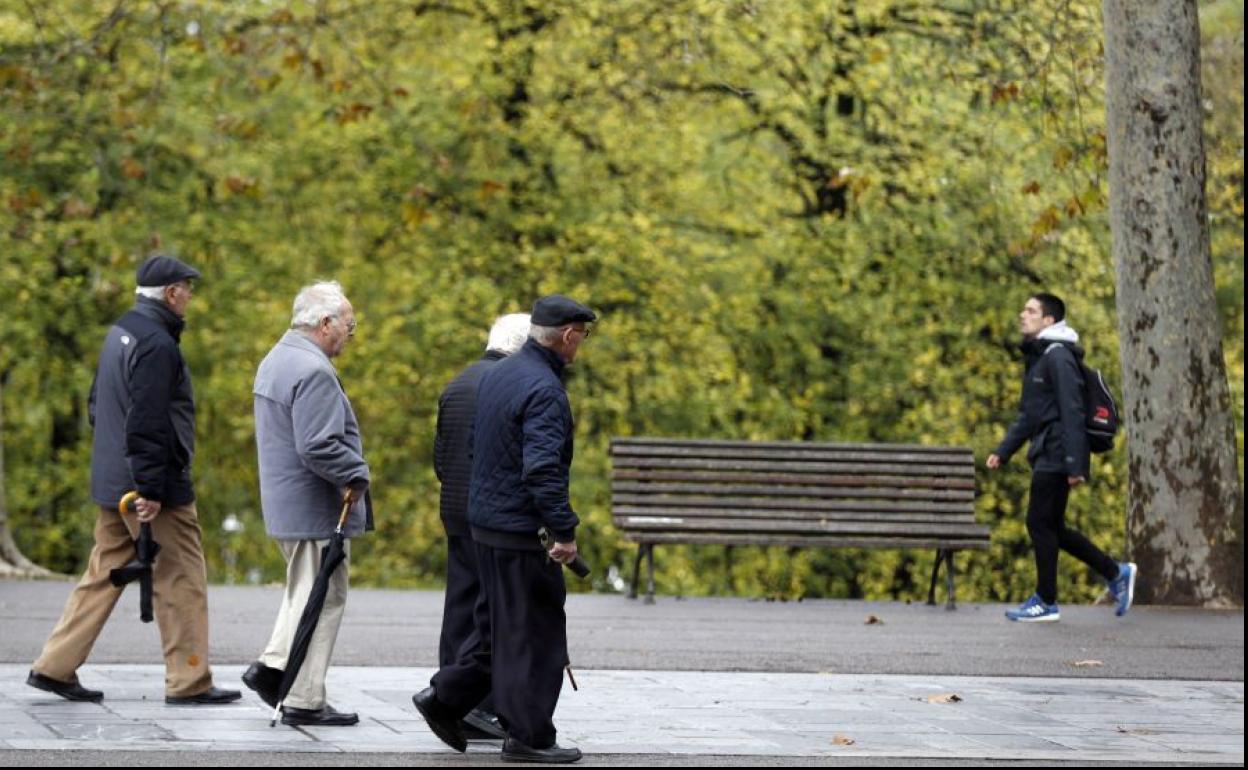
(160, 270)
(557, 310)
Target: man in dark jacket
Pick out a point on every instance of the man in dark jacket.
(1052, 417)
(452, 462)
(522, 454)
(143, 412)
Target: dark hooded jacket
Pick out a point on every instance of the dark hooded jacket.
(143, 410)
(1051, 410)
(522, 450)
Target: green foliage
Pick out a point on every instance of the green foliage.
(810, 222)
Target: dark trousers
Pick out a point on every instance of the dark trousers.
(463, 588)
(519, 647)
(1046, 523)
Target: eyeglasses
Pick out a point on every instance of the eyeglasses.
(584, 330)
(350, 326)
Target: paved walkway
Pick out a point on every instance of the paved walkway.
(681, 713)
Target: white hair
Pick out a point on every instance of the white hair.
(321, 300)
(151, 292)
(546, 335)
(509, 333)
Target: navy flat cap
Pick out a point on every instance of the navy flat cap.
(160, 270)
(557, 310)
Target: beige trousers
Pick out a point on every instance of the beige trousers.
(179, 599)
(303, 561)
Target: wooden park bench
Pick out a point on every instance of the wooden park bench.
(796, 494)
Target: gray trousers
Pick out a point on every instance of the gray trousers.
(303, 560)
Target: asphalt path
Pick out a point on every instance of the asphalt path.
(400, 628)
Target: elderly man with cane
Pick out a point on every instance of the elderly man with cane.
(143, 412)
(521, 458)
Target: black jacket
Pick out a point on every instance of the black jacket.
(451, 460)
(1051, 410)
(143, 410)
(522, 448)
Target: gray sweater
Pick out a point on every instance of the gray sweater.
(308, 442)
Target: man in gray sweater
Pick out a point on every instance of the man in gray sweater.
(310, 453)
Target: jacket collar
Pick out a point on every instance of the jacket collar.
(550, 357)
(161, 313)
(296, 339)
(493, 355)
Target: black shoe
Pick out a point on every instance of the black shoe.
(264, 681)
(443, 724)
(213, 696)
(67, 690)
(481, 725)
(515, 751)
(325, 716)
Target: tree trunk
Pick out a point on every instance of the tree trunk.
(1185, 519)
(12, 562)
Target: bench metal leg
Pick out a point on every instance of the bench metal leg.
(950, 604)
(931, 590)
(945, 555)
(632, 589)
(650, 573)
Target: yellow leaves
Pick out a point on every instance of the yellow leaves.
(414, 214)
(242, 185)
(239, 128)
(132, 169)
(1046, 223)
(1004, 92)
(489, 188)
(1031, 188)
(352, 113)
(76, 208)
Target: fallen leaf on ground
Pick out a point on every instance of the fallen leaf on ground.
(842, 740)
(947, 697)
(1087, 663)
(874, 620)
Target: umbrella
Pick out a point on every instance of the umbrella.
(140, 568)
(332, 556)
(578, 565)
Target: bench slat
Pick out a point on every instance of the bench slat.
(665, 463)
(726, 502)
(627, 512)
(824, 541)
(781, 491)
(746, 444)
(824, 455)
(799, 527)
(805, 480)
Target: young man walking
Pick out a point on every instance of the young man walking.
(1052, 416)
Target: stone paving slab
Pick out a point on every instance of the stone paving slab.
(681, 713)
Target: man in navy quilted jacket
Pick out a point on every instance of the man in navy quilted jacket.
(521, 457)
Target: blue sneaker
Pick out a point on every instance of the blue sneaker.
(1034, 610)
(1123, 587)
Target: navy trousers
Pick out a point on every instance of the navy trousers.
(518, 648)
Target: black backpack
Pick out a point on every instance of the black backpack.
(1099, 408)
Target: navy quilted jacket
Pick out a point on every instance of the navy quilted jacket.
(522, 447)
